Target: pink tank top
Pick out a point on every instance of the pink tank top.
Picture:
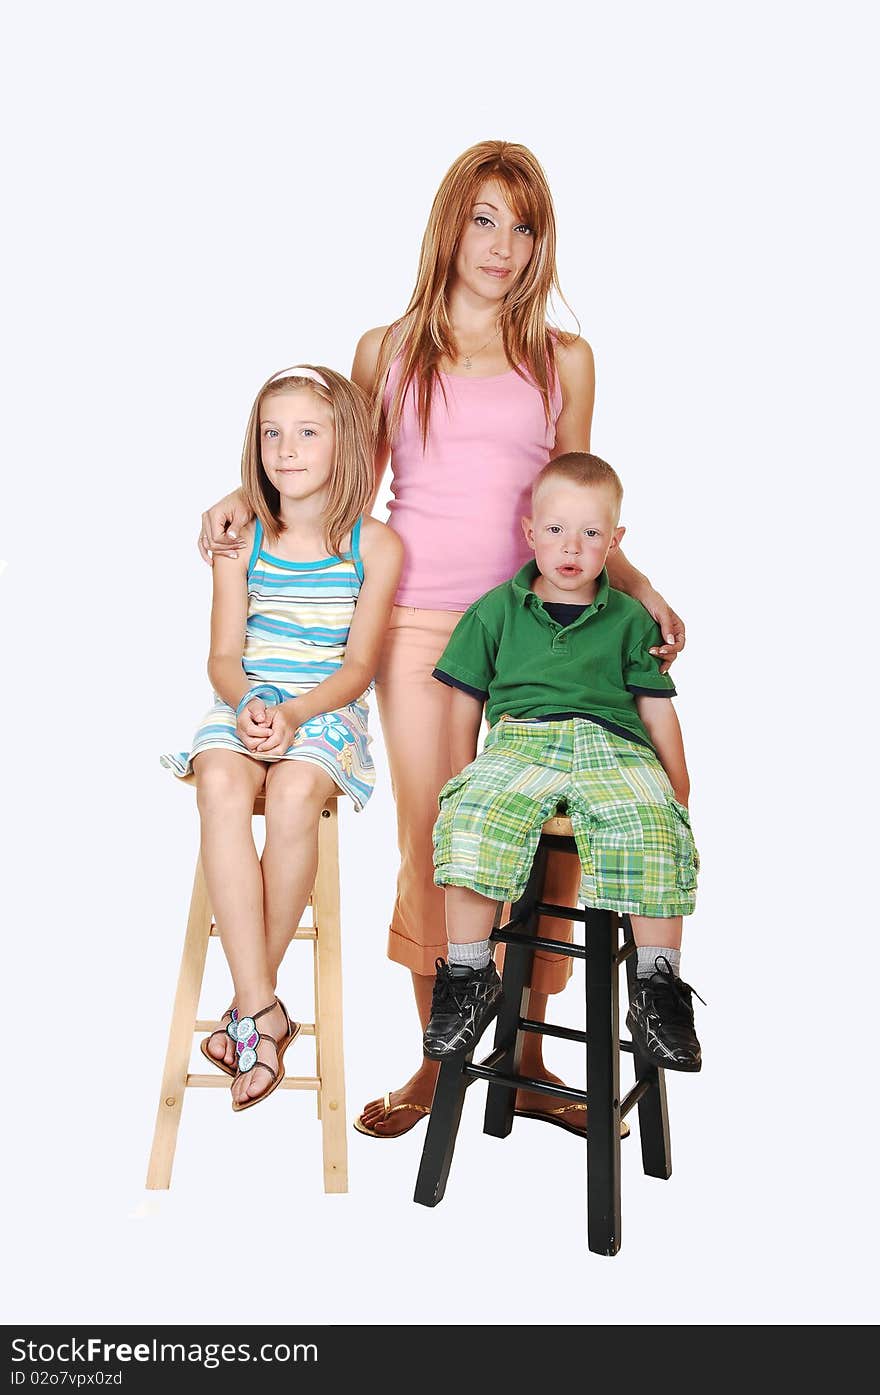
(457, 506)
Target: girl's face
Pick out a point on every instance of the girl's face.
(495, 247)
(297, 442)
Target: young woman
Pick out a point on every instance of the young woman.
(472, 392)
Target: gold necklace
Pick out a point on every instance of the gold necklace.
(469, 357)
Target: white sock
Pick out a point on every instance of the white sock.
(475, 955)
(647, 955)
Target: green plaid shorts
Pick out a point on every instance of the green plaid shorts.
(634, 839)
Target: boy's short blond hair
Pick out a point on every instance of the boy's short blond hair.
(580, 467)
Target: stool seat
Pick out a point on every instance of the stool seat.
(328, 1081)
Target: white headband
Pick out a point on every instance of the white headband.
(301, 372)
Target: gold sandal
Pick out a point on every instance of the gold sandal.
(552, 1116)
(421, 1112)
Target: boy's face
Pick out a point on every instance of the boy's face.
(572, 529)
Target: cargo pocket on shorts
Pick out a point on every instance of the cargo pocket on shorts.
(453, 784)
(687, 859)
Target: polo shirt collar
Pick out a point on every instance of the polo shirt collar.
(525, 578)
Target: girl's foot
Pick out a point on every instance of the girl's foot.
(419, 1089)
(250, 1084)
(219, 1046)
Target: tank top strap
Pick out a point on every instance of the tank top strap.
(258, 543)
(356, 549)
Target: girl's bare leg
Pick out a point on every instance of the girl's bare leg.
(226, 785)
(296, 792)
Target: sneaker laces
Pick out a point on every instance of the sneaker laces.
(448, 989)
(676, 990)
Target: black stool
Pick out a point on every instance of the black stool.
(603, 956)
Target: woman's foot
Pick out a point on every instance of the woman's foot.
(250, 1084)
(419, 1089)
(530, 1099)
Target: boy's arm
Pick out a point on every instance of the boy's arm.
(661, 721)
(465, 716)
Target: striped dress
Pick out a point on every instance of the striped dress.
(299, 615)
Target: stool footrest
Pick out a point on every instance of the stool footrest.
(561, 912)
(503, 936)
(221, 1082)
(638, 1091)
(549, 1029)
(626, 949)
(306, 1029)
(525, 1082)
(302, 932)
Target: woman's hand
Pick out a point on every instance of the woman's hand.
(254, 723)
(222, 525)
(671, 628)
(284, 723)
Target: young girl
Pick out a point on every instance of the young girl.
(297, 624)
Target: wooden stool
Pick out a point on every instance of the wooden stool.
(603, 956)
(329, 1082)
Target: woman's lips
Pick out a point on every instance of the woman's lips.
(499, 272)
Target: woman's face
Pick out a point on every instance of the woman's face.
(495, 247)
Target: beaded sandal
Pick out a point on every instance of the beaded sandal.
(220, 1031)
(243, 1031)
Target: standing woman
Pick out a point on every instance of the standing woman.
(473, 392)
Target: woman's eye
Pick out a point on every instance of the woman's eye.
(524, 228)
(482, 219)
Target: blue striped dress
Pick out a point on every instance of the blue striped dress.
(299, 616)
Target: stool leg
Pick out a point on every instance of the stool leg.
(180, 1037)
(653, 1111)
(317, 994)
(501, 1099)
(443, 1123)
(603, 1085)
(328, 1005)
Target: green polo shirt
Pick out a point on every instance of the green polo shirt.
(508, 651)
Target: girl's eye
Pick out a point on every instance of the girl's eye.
(307, 431)
(270, 431)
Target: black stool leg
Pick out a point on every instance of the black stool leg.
(603, 1085)
(501, 1099)
(653, 1111)
(443, 1123)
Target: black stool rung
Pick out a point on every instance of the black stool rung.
(626, 949)
(503, 937)
(547, 1029)
(561, 912)
(525, 1082)
(638, 1092)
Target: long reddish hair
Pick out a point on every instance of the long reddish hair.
(423, 334)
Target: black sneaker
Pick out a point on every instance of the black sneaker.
(661, 1019)
(464, 1001)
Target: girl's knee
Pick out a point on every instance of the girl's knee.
(222, 787)
(295, 790)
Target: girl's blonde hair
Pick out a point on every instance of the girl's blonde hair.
(351, 483)
(424, 333)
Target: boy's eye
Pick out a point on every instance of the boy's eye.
(592, 532)
(553, 528)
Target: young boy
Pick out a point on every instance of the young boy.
(580, 719)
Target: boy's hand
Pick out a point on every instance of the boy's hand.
(253, 724)
(671, 628)
(284, 722)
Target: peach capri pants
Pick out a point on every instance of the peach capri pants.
(414, 711)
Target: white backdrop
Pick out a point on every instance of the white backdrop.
(200, 194)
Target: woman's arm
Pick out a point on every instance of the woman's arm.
(382, 554)
(661, 721)
(577, 379)
(465, 717)
(363, 372)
